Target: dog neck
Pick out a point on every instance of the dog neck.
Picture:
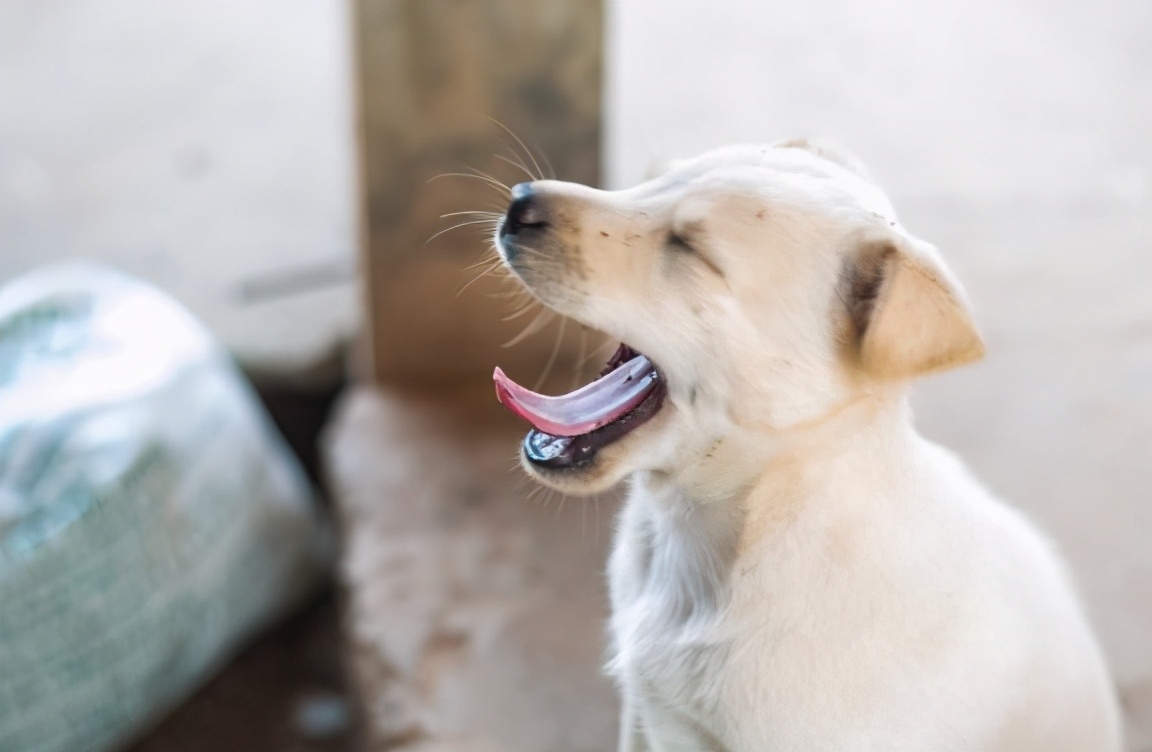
(746, 486)
(873, 429)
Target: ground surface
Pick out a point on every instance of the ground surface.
(475, 607)
(287, 692)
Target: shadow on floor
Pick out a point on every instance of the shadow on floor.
(284, 693)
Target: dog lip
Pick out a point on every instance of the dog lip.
(558, 453)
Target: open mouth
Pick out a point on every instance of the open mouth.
(568, 430)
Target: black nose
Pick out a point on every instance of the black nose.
(524, 213)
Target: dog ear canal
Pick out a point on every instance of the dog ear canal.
(907, 313)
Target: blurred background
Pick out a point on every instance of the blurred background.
(272, 167)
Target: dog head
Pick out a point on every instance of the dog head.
(757, 289)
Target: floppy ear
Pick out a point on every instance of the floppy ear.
(908, 314)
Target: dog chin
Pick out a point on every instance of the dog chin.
(592, 477)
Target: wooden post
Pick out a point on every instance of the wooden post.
(435, 77)
(474, 617)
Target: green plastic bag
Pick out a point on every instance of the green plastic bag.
(150, 516)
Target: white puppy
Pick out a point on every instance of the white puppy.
(796, 569)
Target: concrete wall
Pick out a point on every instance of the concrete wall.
(206, 147)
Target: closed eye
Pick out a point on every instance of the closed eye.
(677, 243)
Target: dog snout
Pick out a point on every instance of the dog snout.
(526, 212)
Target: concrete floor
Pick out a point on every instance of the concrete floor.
(203, 148)
(476, 605)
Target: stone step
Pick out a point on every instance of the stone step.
(475, 604)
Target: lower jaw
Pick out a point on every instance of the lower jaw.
(551, 454)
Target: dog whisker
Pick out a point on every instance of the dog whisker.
(479, 276)
(475, 212)
(492, 179)
(601, 350)
(518, 166)
(457, 227)
(576, 370)
(497, 184)
(542, 319)
(552, 356)
(491, 261)
(523, 310)
(518, 296)
(527, 151)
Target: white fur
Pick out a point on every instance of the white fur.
(796, 569)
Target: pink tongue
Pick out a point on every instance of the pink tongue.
(587, 408)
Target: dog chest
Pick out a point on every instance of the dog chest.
(668, 577)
